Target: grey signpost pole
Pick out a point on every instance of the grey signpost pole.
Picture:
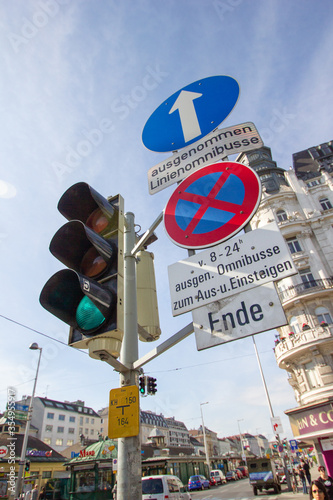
(129, 450)
(286, 471)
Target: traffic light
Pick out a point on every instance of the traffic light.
(89, 295)
(27, 466)
(142, 384)
(151, 386)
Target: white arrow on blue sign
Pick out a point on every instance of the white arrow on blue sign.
(190, 113)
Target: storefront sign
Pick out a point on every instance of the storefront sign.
(313, 420)
(39, 453)
(83, 453)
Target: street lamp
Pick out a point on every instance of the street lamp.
(240, 436)
(204, 435)
(34, 346)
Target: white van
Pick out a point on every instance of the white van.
(218, 475)
(164, 486)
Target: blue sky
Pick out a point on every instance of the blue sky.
(78, 82)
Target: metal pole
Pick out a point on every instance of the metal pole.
(18, 488)
(240, 438)
(129, 449)
(286, 471)
(205, 439)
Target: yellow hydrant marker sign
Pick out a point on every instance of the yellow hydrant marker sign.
(124, 412)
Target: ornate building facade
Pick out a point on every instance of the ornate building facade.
(300, 200)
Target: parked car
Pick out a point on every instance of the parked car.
(231, 475)
(198, 483)
(218, 475)
(163, 486)
(244, 470)
(239, 473)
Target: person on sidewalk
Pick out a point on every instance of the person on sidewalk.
(306, 468)
(318, 491)
(34, 493)
(302, 477)
(326, 480)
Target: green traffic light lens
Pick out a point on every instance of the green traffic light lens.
(88, 316)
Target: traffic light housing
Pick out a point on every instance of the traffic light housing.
(27, 466)
(142, 384)
(151, 386)
(88, 295)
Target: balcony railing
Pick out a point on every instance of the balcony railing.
(302, 339)
(305, 288)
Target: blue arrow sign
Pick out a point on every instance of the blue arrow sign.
(190, 113)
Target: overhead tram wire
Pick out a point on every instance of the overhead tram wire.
(38, 332)
(159, 371)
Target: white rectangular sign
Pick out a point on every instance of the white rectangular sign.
(327, 444)
(277, 425)
(210, 149)
(241, 263)
(238, 316)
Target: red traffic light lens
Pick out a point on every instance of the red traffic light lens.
(93, 264)
(101, 222)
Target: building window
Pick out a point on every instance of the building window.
(307, 278)
(60, 429)
(46, 474)
(71, 430)
(294, 325)
(61, 417)
(50, 415)
(81, 420)
(281, 215)
(47, 440)
(311, 375)
(92, 420)
(293, 245)
(323, 315)
(59, 442)
(87, 420)
(86, 431)
(91, 432)
(325, 203)
(72, 419)
(80, 430)
(70, 442)
(48, 428)
(315, 182)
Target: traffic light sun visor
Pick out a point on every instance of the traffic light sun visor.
(96, 212)
(81, 249)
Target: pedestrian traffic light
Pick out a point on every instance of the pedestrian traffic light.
(151, 386)
(142, 384)
(88, 295)
(27, 466)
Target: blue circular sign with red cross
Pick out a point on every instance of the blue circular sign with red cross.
(212, 205)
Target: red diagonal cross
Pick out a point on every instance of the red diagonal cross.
(209, 201)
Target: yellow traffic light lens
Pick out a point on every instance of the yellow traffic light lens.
(93, 264)
(88, 316)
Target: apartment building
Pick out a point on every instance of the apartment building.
(300, 200)
(62, 423)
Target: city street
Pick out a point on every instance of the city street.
(242, 490)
